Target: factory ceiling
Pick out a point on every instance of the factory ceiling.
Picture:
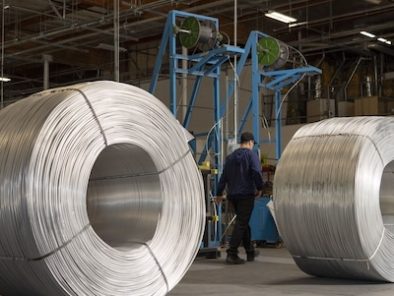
(76, 36)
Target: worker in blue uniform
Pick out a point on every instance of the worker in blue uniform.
(243, 182)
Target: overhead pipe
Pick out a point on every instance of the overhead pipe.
(346, 33)
(97, 31)
(107, 20)
(90, 26)
(184, 85)
(54, 8)
(343, 17)
(310, 78)
(332, 81)
(368, 86)
(381, 74)
(351, 76)
(116, 40)
(46, 59)
(375, 73)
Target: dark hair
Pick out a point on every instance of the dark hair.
(246, 137)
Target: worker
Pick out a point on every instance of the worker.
(243, 182)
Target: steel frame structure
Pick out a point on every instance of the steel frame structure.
(209, 64)
(274, 80)
(200, 65)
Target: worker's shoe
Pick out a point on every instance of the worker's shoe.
(251, 255)
(234, 260)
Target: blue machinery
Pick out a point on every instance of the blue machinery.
(263, 51)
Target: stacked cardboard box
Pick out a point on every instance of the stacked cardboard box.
(345, 108)
(373, 106)
(320, 109)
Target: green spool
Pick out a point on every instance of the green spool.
(268, 51)
(190, 40)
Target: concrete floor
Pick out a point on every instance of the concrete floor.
(274, 273)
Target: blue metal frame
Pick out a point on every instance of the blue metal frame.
(207, 64)
(274, 80)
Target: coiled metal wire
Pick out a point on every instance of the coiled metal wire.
(334, 198)
(99, 194)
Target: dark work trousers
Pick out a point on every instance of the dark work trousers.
(243, 207)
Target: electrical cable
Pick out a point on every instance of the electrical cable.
(289, 91)
(100, 194)
(333, 198)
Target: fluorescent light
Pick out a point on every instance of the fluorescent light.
(384, 40)
(297, 24)
(110, 47)
(5, 79)
(370, 35)
(280, 17)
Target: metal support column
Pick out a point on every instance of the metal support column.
(218, 120)
(46, 59)
(173, 67)
(200, 65)
(256, 80)
(278, 125)
(184, 86)
(116, 40)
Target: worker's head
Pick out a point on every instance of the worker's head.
(247, 140)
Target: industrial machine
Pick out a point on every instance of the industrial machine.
(275, 66)
(272, 52)
(263, 228)
(194, 33)
(205, 56)
(196, 41)
(209, 244)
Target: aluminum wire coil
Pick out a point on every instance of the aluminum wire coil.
(99, 194)
(334, 198)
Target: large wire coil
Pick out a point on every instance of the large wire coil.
(99, 194)
(334, 198)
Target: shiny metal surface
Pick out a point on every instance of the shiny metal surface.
(99, 194)
(124, 209)
(334, 198)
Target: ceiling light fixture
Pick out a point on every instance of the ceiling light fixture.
(365, 33)
(377, 2)
(5, 79)
(110, 47)
(384, 40)
(280, 17)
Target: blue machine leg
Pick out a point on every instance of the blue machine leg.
(173, 68)
(158, 62)
(196, 88)
(255, 96)
(245, 116)
(218, 140)
(262, 224)
(278, 125)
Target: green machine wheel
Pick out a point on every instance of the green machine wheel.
(196, 34)
(272, 52)
(191, 39)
